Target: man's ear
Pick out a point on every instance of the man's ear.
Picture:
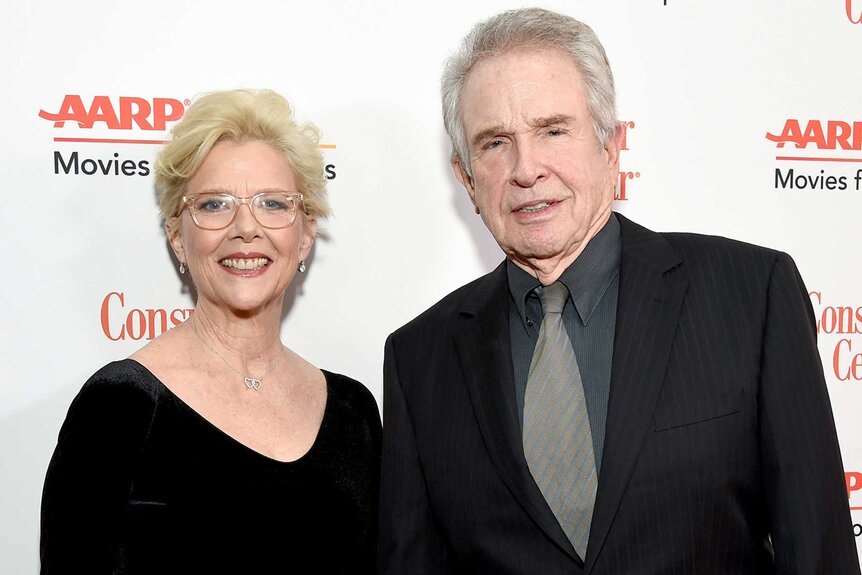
(465, 179)
(174, 231)
(613, 147)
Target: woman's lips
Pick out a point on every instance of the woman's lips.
(245, 264)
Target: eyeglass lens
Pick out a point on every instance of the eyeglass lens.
(216, 211)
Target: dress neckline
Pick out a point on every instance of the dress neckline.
(231, 439)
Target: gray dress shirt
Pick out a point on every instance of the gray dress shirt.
(589, 317)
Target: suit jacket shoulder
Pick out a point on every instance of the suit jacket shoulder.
(720, 267)
(443, 316)
(704, 251)
(692, 248)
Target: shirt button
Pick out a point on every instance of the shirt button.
(529, 322)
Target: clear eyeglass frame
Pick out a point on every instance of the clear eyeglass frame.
(254, 204)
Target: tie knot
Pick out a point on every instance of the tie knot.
(553, 297)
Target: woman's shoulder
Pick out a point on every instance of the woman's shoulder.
(351, 421)
(348, 393)
(108, 421)
(124, 380)
(120, 395)
(349, 390)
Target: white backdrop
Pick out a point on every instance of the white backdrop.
(701, 84)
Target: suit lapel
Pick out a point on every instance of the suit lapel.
(483, 347)
(651, 291)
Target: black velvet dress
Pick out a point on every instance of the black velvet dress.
(141, 483)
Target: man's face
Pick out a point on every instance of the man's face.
(541, 181)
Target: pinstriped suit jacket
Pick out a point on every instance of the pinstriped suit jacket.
(720, 451)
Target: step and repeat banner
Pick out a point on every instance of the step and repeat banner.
(742, 119)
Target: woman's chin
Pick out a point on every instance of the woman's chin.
(243, 307)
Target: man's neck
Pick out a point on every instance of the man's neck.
(549, 270)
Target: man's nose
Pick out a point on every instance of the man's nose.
(528, 166)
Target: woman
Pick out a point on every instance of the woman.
(215, 448)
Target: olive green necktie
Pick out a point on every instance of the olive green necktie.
(558, 442)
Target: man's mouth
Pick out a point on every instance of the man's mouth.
(535, 207)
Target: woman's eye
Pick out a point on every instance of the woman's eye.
(273, 204)
(212, 205)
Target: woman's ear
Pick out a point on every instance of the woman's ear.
(174, 232)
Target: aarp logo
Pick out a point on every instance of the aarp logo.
(80, 116)
(819, 134)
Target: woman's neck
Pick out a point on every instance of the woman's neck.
(248, 343)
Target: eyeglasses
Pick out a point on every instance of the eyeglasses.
(216, 211)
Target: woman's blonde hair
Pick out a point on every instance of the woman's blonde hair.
(238, 116)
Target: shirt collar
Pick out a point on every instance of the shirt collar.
(587, 278)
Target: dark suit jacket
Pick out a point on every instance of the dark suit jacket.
(720, 454)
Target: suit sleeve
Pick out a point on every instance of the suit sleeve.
(87, 485)
(409, 540)
(803, 476)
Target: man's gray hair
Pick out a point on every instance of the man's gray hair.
(530, 29)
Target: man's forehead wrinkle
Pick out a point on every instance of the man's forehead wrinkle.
(508, 104)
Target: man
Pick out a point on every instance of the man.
(609, 400)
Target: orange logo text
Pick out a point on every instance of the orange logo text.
(126, 114)
(829, 135)
(840, 320)
(853, 479)
(622, 189)
(121, 323)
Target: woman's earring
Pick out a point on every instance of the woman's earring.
(182, 268)
(302, 267)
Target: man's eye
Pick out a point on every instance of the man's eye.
(555, 132)
(495, 143)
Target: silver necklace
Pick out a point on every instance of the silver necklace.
(250, 382)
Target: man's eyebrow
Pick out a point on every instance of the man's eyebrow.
(487, 133)
(543, 122)
(556, 119)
